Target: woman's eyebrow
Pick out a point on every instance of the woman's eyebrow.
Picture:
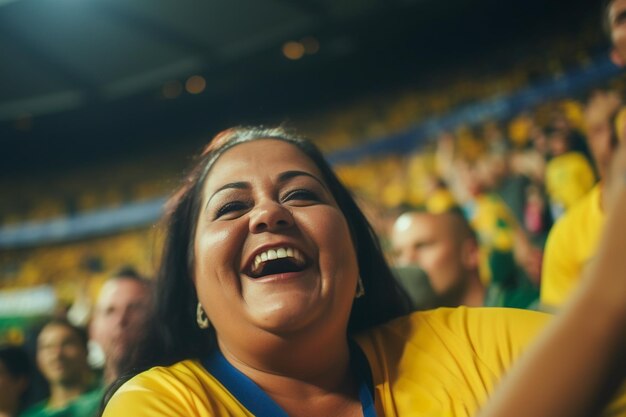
(240, 185)
(287, 175)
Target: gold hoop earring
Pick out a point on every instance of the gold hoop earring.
(201, 318)
(360, 288)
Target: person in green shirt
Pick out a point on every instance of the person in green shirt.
(62, 360)
(446, 248)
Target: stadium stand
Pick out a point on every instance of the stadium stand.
(384, 147)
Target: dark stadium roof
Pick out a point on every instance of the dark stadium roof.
(74, 73)
(59, 55)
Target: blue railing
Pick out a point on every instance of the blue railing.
(502, 107)
(92, 223)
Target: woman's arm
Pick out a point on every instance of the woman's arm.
(579, 358)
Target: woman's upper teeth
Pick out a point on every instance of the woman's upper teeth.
(278, 253)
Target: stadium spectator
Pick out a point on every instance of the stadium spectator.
(15, 374)
(572, 242)
(62, 359)
(508, 260)
(565, 374)
(118, 318)
(507, 256)
(445, 247)
(573, 239)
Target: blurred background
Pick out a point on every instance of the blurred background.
(103, 103)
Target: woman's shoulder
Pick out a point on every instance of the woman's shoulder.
(482, 329)
(450, 317)
(174, 388)
(184, 372)
(183, 389)
(448, 356)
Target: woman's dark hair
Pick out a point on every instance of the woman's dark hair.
(17, 363)
(175, 333)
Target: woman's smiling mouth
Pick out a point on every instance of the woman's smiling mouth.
(277, 261)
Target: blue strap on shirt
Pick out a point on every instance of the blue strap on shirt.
(261, 405)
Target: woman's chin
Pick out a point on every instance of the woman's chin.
(284, 314)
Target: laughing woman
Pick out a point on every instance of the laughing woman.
(274, 299)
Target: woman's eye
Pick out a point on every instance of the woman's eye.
(230, 207)
(300, 195)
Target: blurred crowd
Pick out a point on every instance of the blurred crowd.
(67, 361)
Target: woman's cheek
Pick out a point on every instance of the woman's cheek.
(214, 246)
(333, 235)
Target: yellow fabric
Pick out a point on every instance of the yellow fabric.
(184, 389)
(469, 147)
(574, 112)
(440, 201)
(571, 244)
(493, 222)
(439, 363)
(495, 226)
(520, 130)
(445, 362)
(568, 178)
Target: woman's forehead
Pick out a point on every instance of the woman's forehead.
(259, 157)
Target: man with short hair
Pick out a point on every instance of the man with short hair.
(445, 247)
(118, 317)
(62, 359)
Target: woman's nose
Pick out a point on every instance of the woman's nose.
(270, 216)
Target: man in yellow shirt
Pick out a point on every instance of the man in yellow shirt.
(572, 241)
(571, 244)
